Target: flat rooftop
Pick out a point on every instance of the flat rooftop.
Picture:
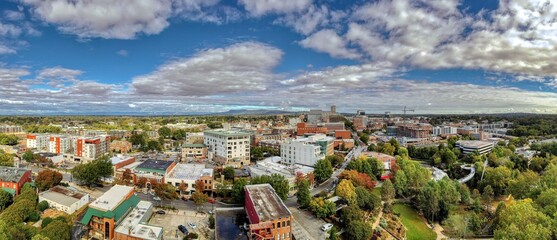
(11, 174)
(62, 195)
(473, 143)
(134, 224)
(160, 165)
(190, 171)
(111, 198)
(267, 203)
(119, 159)
(228, 133)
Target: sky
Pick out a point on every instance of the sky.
(207, 56)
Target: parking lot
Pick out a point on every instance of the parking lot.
(172, 219)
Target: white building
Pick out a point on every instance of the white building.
(272, 165)
(228, 147)
(444, 130)
(306, 151)
(470, 146)
(188, 174)
(136, 224)
(64, 199)
(38, 141)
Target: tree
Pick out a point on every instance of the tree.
(521, 220)
(43, 205)
(199, 198)
(57, 230)
(6, 199)
(127, 176)
(346, 190)
(357, 178)
(351, 214)
(141, 182)
(367, 200)
(48, 178)
(387, 191)
(303, 194)
(28, 156)
(211, 222)
(238, 190)
(277, 181)
(6, 159)
(91, 173)
(333, 234)
(459, 224)
(498, 178)
(335, 159)
(547, 201)
(323, 170)
(165, 191)
(321, 207)
(45, 222)
(487, 196)
(376, 167)
(359, 230)
(165, 132)
(228, 173)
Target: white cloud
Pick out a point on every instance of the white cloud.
(241, 67)
(262, 7)
(13, 15)
(104, 18)
(328, 41)
(122, 52)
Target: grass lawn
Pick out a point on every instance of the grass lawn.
(417, 228)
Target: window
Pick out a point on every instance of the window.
(283, 223)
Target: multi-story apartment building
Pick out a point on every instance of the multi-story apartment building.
(414, 130)
(75, 148)
(269, 218)
(10, 129)
(228, 147)
(198, 151)
(444, 130)
(307, 151)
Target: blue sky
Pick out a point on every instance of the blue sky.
(186, 56)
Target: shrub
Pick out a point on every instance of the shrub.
(43, 205)
(45, 222)
(34, 216)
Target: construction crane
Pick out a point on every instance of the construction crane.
(407, 110)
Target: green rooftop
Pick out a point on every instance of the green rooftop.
(116, 214)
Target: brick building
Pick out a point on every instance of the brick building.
(12, 179)
(268, 216)
(304, 128)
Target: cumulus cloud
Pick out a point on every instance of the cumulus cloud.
(104, 18)
(241, 67)
(262, 7)
(328, 41)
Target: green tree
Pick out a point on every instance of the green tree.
(303, 194)
(359, 230)
(57, 230)
(323, 170)
(277, 181)
(521, 220)
(335, 159)
(487, 196)
(6, 199)
(498, 178)
(211, 221)
(46, 221)
(28, 156)
(228, 173)
(238, 190)
(165, 132)
(548, 202)
(43, 205)
(367, 200)
(387, 191)
(351, 214)
(166, 191)
(333, 234)
(48, 178)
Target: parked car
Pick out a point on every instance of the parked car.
(156, 198)
(326, 227)
(160, 212)
(192, 225)
(211, 200)
(211, 212)
(183, 229)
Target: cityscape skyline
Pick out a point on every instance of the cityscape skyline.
(194, 56)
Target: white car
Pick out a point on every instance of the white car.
(156, 198)
(327, 227)
(192, 225)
